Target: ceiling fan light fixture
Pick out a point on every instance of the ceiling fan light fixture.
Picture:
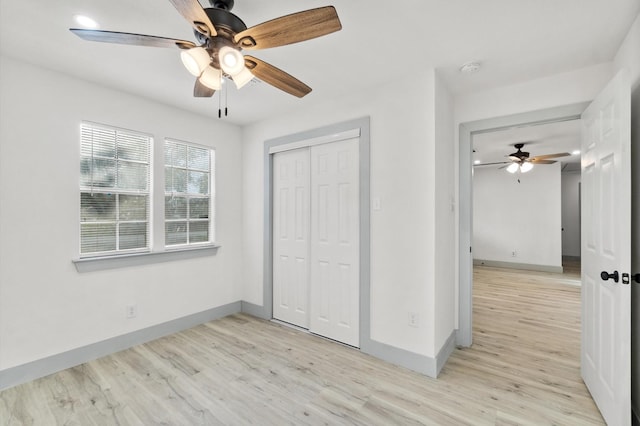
(513, 167)
(195, 60)
(242, 78)
(525, 167)
(212, 78)
(231, 60)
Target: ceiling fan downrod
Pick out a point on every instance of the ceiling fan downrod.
(222, 4)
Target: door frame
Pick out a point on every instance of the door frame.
(313, 136)
(464, 336)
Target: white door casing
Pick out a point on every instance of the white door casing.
(606, 246)
(291, 236)
(335, 288)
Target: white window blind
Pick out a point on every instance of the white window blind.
(114, 190)
(189, 193)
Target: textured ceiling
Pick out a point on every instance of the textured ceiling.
(380, 41)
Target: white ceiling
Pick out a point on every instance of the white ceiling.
(551, 138)
(380, 40)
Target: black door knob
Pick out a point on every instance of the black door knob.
(606, 276)
(636, 278)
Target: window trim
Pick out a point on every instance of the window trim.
(211, 196)
(148, 192)
(158, 251)
(100, 263)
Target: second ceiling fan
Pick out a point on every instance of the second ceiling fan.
(221, 37)
(522, 162)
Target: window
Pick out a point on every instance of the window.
(117, 206)
(114, 190)
(188, 201)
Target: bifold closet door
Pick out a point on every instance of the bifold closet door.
(334, 257)
(291, 204)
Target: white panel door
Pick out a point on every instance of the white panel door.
(606, 246)
(335, 276)
(291, 236)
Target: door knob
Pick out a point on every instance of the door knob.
(605, 276)
(636, 278)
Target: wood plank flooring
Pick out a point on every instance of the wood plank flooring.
(523, 369)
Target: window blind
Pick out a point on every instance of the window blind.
(189, 193)
(114, 190)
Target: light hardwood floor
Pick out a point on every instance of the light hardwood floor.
(523, 369)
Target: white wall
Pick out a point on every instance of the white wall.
(561, 89)
(628, 57)
(522, 217)
(571, 214)
(46, 306)
(445, 224)
(403, 176)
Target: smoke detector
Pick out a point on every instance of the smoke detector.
(470, 67)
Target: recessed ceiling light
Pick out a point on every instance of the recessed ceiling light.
(576, 152)
(85, 21)
(470, 67)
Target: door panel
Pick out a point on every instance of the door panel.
(606, 246)
(291, 237)
(335, 280)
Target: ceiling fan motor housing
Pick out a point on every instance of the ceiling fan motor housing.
(227, 25)
(519, 155)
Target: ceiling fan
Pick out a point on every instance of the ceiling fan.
(521, 160)
(221, 36)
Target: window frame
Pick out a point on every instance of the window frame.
(157, 251)
(118, 192)
(211, 196)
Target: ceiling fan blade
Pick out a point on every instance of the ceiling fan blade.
(290, 29)
(202, 91)
(544, 157)
(276, 77)
(491, 164)
(193, 12)
(130, 38)
(538, 161)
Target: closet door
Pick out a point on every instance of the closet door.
(335, 277)
(291, 236)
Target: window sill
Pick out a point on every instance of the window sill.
(91, 264)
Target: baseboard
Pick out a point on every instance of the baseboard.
(43, 367)
(445, 351)
(254, 310)
(573, 258)
(514, 265)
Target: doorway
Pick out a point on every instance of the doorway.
(525, 196)
(465, 241)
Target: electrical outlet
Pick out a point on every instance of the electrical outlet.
(414, 319)
(131, 311)
(514, 253)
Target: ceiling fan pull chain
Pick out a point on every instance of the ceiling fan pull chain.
(226, 98)
(220, 102)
